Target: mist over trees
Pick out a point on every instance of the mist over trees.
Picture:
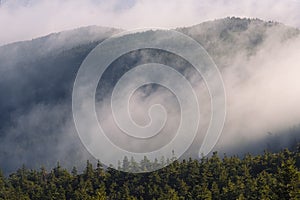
(36, 126)
(266, 176)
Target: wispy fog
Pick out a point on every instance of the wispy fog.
(259, 62)
(27, 19)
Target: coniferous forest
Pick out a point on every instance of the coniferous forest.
(266, 176)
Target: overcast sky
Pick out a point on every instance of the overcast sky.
(27, 19)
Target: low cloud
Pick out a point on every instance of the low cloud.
(260, 66)
(27, 19)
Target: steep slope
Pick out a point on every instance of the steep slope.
(36, 79)
(226, 38)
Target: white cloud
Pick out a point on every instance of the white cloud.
(27, 19)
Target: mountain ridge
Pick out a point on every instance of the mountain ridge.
(38, 84)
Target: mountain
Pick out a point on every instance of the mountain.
(226, 37)
(36, 80)
(37, 76)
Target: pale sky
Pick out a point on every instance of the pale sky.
(27, 19)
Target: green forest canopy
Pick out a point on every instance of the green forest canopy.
(266, 176)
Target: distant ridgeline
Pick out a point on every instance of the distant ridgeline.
(37, 76)
(266, 176)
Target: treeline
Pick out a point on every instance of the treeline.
(266, 176)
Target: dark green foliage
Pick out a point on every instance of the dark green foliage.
(267, 176)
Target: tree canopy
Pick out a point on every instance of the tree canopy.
(266, 176)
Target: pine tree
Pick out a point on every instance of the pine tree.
(288, 180)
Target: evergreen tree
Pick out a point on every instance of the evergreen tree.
(267, 176)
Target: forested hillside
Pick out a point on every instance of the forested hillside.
(149, 100)
(37, 76)
(267, 176)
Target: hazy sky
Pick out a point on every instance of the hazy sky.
(27, 19)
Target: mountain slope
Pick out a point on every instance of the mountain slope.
(36, 79)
